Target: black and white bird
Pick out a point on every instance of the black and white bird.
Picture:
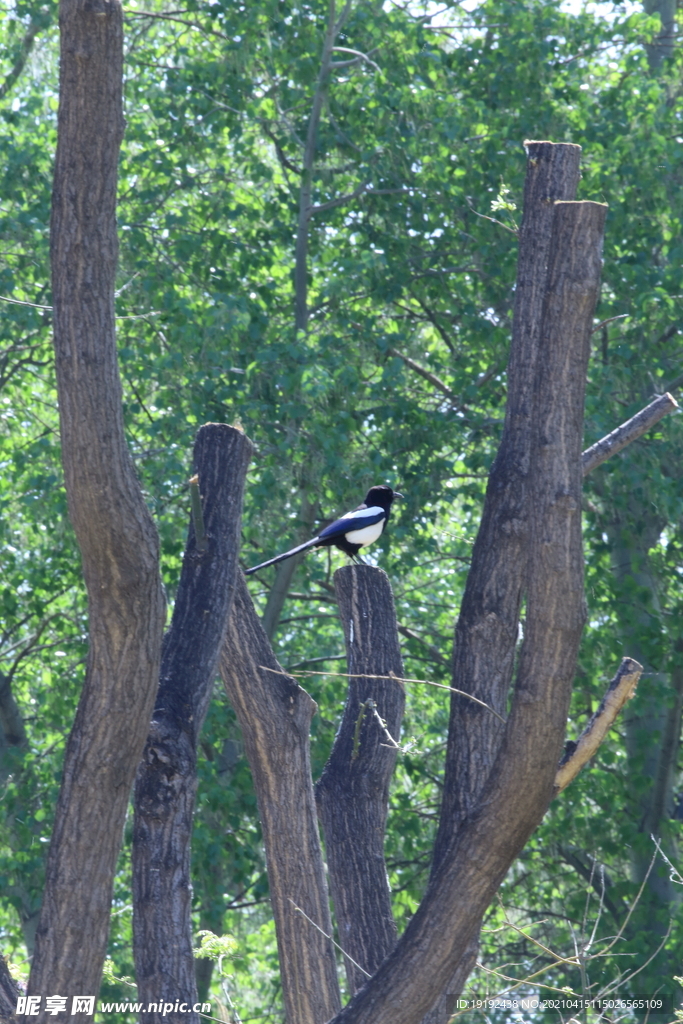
(355, 530)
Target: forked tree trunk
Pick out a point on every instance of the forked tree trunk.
(520, 783)
(488, 625)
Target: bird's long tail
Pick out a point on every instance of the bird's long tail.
(281, 558)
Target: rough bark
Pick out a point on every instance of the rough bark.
(9, 992)
(487, 629)
(274, 713)
(118, 542)
(166, 782)
(353, 790)
(520, 786)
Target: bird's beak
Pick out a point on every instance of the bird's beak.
(397, 494)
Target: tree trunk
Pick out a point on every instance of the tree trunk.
(520, 785)
(116, 535)
(353, 790)
(275, 713)
(166, 782)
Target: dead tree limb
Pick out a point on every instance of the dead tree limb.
(629, 431)
(353, 790)
(166, 782)
(579, 753)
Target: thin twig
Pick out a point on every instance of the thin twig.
(609, 320)
(397, 679)
(336, 944)
(424, 372)
(19, 302)
(632, 907)
(333, 203)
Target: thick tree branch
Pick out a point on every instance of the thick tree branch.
(487, 628)
(301, 250)
(166, 781)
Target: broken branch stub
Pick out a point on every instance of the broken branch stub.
(629, 431)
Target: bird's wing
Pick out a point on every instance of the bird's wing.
(356, 520)
(281, 558)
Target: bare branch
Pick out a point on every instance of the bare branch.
(621, 689)
(609, 320)
(628, 432)
(330, 937)
(358, 56)
(435, 653)
(425, 373)
(340, 201)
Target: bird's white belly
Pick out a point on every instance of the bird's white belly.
(367, 535)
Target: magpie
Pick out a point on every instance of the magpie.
(353, 531)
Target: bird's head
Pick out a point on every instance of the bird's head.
(381, 495)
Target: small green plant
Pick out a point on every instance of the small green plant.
(501, 202)
(108, 972)
(216, 948)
